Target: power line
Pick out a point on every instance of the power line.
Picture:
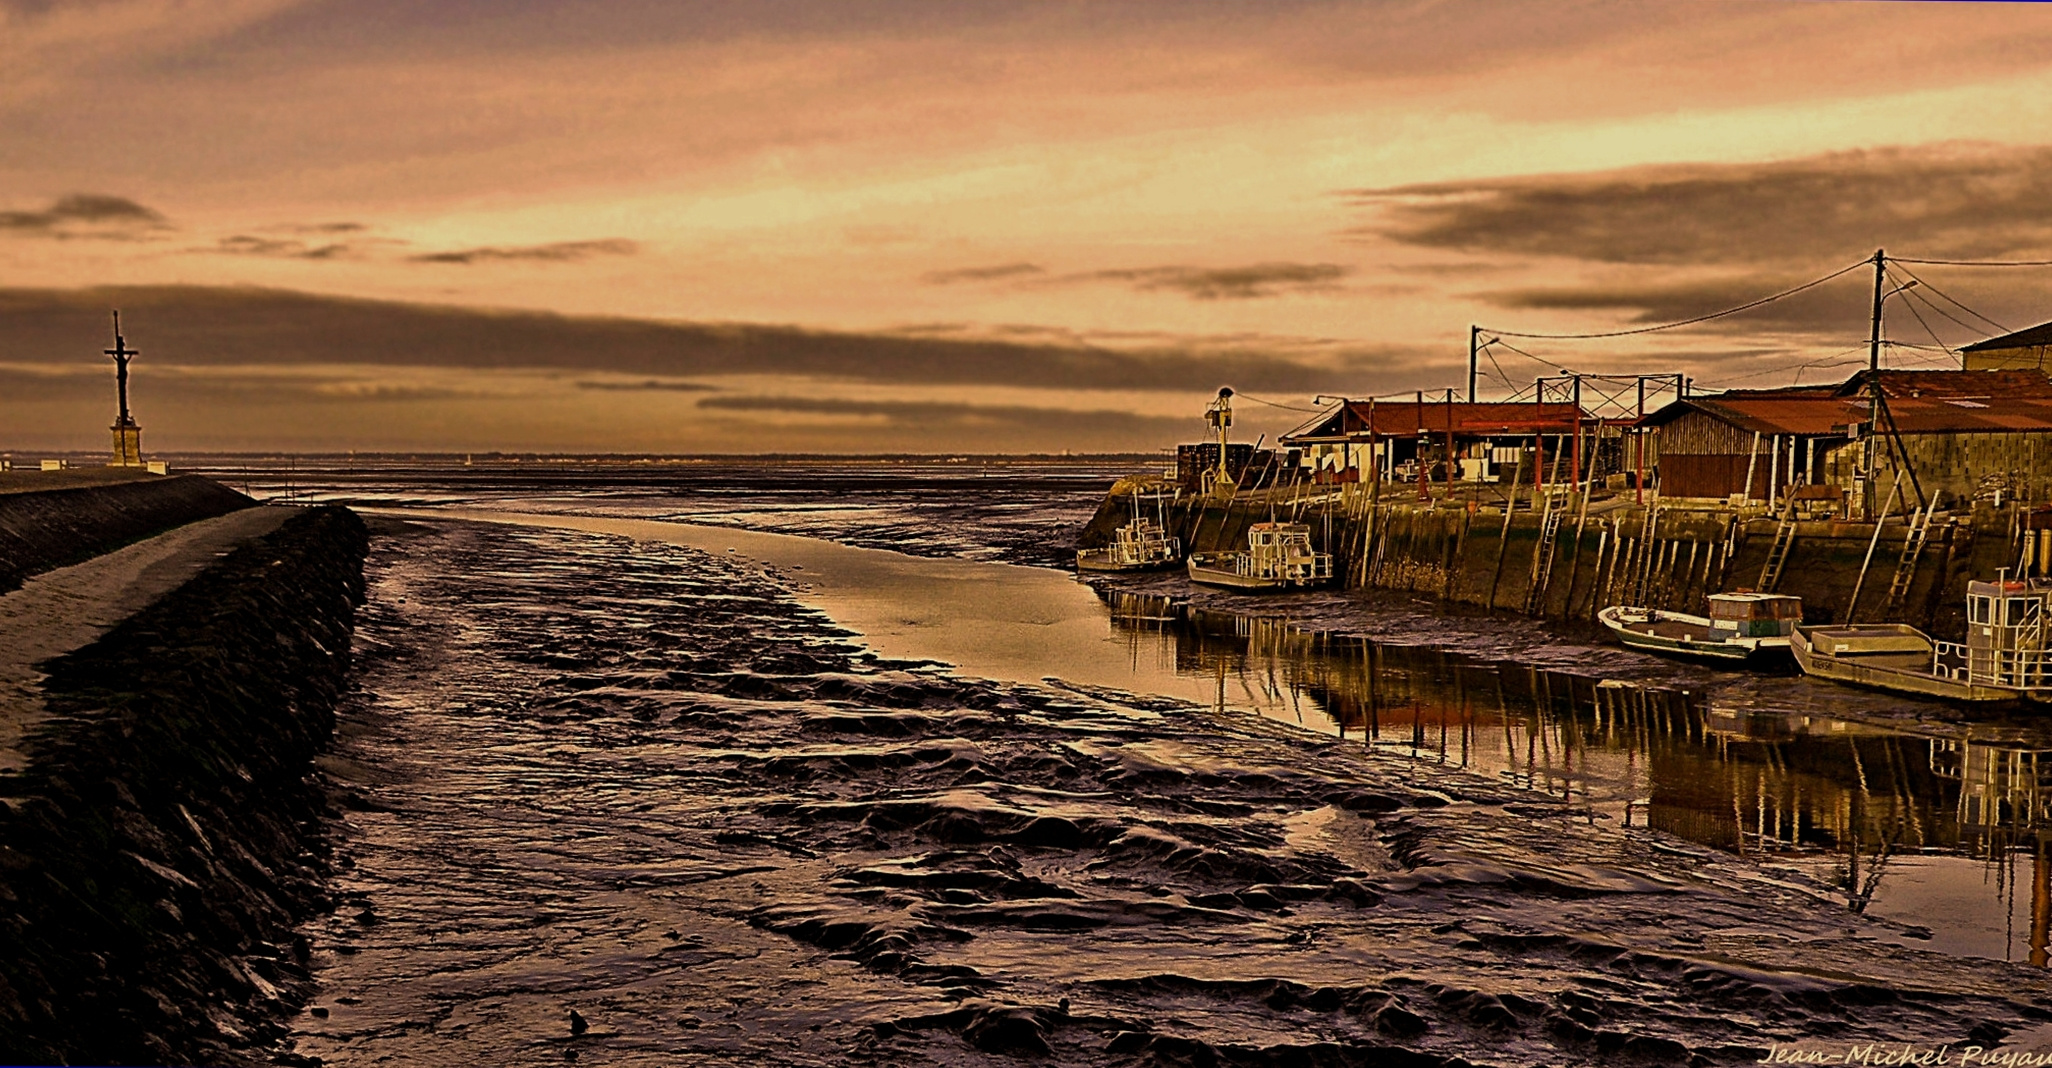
(1748, 306)
(1908, 303)
(1963, 324)
(1273, 404)
(1527, 355)
(1977, 263)
(1827, 361)
(1954, 301)
(1507, 383)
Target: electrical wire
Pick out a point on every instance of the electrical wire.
(1749, 305)
(1907, 303)
(1273, 404)
(1527, 355)
(1827, 361)
(1975, 263)
(1941, 311)
(1507, 383)
(1954, 301)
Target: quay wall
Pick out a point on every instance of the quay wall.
(1612, 551)
(53, 528)
(167, 835)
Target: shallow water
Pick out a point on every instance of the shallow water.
(1720, 766)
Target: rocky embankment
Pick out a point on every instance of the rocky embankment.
(43, 530)
(164, 840)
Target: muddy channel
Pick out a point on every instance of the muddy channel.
(728, 807)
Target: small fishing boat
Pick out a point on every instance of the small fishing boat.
(1279, 556)
(2003, 659)
(1141, 545)
(1740, 626)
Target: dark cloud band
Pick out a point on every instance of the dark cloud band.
(201, 325)
(558, 252)
(1945, 200)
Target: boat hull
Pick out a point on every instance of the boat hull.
(1676, 634)
(1097, 560)
(1894, 678)
(1219, 571)
(1226, 578)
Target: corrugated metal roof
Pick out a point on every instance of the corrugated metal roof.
(1809, 416)
(2029, 337)
(1356, 420)
(1895, 384)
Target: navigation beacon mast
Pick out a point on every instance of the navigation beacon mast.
(127, 433)
(1220, 416)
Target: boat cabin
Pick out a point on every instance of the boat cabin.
(1754, 615)
(1144, 542)
(1283, 551)
(2005, 643)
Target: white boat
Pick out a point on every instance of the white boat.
(1279, 556)
(2002, 660)
(1141, 545)
(1740, 626)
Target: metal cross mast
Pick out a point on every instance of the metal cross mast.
(122, 354)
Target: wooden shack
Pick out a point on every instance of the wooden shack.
(1960, 432)
(2029, 349)
(1406, 440)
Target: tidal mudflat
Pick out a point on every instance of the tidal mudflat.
(646, 783)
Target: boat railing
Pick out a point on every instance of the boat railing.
(2023, 668)
(1949, 660)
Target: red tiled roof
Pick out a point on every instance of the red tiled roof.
(1356, 420)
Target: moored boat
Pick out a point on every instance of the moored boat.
(2002, 660)
(1740, 626)
(1279, 556)
(1141, 545)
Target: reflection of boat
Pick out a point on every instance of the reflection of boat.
(2003, 658)
(1141, 611)
(1740, 625)
(1140, 545)
(1278, 556)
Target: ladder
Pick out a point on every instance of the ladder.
(1906, 567)
(1542, 554)
(1777, 553)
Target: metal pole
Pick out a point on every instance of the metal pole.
(1474, 334)
(1854, 604)
(1752, 457)
(1449, 445)
(1873, 389)
(1576, 475)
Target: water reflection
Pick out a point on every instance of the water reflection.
(1962, 809)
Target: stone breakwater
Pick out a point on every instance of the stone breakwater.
(1666, 554)
(44, 530)
(167, 835)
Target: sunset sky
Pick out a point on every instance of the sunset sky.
(963, 226)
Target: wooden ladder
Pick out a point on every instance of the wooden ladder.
(1777, 553)
(1542, 554)
(1906, 566)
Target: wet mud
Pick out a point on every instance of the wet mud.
(1012, 511)
(644, 785)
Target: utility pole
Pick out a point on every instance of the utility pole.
(1865, 476)
(1474, 334)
